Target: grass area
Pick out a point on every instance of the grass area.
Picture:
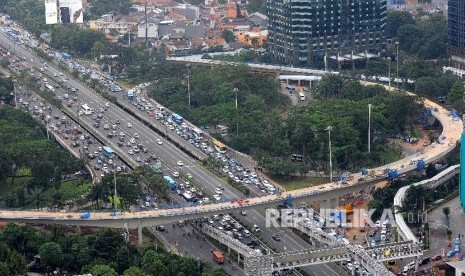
(390, 155)
(23, 171)
(70, 190)
(125, 84)
(299, 182)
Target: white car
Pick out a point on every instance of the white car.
(218, 191)
(131, 152)
(159, 141)
(176, 174)
(129, 125)
(136, 135)
(217, 197)
(180, 163)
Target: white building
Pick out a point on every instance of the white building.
(152, 28)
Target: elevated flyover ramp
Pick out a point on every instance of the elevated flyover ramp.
(449, 139)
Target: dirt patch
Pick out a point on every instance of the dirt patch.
(409, 148)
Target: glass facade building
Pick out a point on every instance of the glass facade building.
(456, 29)
(302, 32)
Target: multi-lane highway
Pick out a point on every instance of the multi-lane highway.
(207, 181)
(166, 152)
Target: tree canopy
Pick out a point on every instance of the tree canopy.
(266, 126)
(25, 147)
(104, 253)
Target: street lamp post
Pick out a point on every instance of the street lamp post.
(237, 114)
(235, 91)
(397, 65)
(329, 128)
(369, 127)
(115, 195)
(14, 91)
(389, 72)
(188, 82)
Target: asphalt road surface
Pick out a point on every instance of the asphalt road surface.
(170, 155)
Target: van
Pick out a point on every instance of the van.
(290, 88)
(409, 267)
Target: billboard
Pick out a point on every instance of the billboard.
(51, 12)
(71, 11)
(64, 11)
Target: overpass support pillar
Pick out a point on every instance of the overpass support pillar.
(139, 232)
(330, 203)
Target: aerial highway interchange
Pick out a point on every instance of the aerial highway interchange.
(202, 178)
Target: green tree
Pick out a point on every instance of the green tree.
(51, 254)
(100, 7)
(408, 37)
(103, 270)
(16, 263)
(98, 192)
(446, 212)
(106, 243)
(4, 270)
(329, 86)
(396, 19)
(456, 95)
(134, 271)
(228, 36)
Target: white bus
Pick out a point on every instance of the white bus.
(197, 133)
(50, 87)
(301, 96)
(86, 109)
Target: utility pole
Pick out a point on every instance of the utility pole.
(146, 28)
(389, 72)
(115, 194)
(329, 128)
(14, 91)
(235, 90)
(397, 61)
(237, 113)
(369, 128)
(188, 82)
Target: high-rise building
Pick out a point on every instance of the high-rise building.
(306, 32)
(456, 28)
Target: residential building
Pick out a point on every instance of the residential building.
(456, 33)
(258, 20)
(151, 27)
(306, 32)
(455, 268)
(109, 25)
(254, 38)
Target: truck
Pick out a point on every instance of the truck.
(177, 119)
(218, 256)
(347, 209)
(130, 94)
